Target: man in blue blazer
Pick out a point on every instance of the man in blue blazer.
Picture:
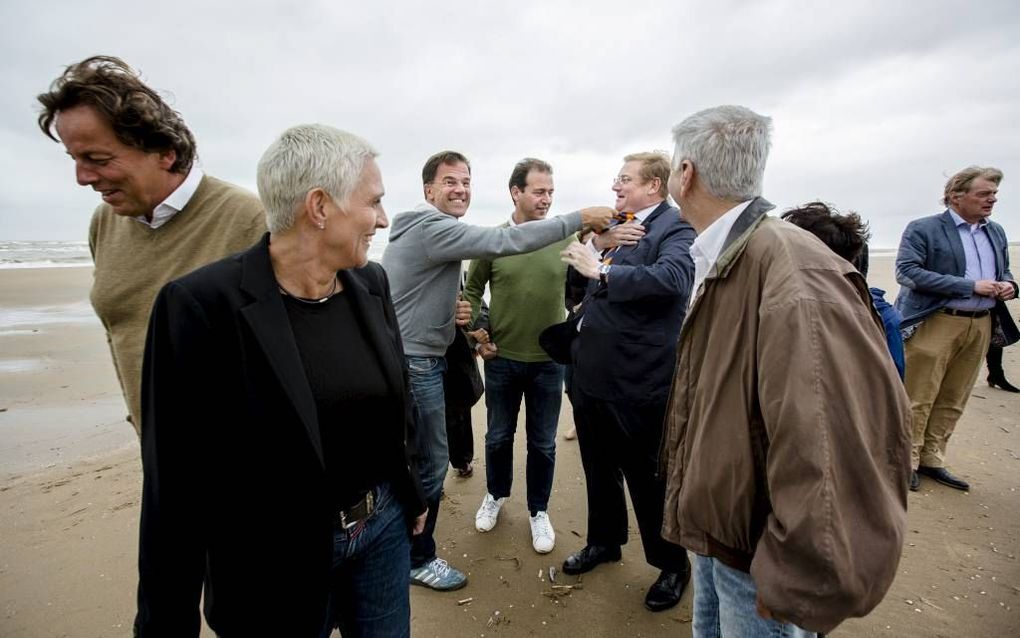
(623, 362)
(954, 271)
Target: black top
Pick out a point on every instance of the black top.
(350, 392)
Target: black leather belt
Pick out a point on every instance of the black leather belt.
(360, 511)
(973, 314)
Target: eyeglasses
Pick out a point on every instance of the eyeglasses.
(622, 179)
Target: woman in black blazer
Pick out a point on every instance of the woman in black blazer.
(276, 447)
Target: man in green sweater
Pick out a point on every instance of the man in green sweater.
(161, 217)
(526, 297)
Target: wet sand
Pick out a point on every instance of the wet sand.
(70, 481)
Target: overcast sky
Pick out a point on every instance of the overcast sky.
(873, 103)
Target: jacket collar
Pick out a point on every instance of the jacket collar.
(268, 321)
(732, 248)
(739, 234)
(953, 237)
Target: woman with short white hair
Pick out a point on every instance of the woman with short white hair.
(277, 419)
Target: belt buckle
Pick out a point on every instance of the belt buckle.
(369, 502)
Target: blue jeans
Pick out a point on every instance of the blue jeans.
(368, 585)
(724, 605)
(540, 384)
(426, 379)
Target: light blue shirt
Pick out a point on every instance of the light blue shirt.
(977, 247)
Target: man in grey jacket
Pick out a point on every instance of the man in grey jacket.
(954, 271)
(423, 261)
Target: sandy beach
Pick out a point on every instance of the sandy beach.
(70, 481)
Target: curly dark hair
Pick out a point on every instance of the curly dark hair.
(846, 234)
(138, 115)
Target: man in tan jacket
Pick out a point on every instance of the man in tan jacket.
(787, 435)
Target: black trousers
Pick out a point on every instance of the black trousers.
(621, 441)
(459, 436)
(994, 362)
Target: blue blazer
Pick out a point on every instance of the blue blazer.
(931, 268)
(626, 349)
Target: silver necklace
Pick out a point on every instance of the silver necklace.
(332, 291)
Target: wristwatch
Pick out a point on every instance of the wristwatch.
(604, 273)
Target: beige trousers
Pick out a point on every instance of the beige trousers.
(943, 360)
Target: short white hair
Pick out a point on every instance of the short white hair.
(306, 157)
(728, 146)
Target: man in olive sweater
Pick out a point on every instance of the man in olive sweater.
(161, 217)
(526, 297)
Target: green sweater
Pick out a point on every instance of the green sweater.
(133, 261)
(526, 297)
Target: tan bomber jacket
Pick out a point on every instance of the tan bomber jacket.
(787, 436)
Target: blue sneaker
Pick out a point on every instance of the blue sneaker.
(438, 575)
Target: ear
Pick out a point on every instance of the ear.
(167, 159)
(427, 189)
(654, 185)
(315, 206)
(686, 176)
(515, 193)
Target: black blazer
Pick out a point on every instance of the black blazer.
(626, 349)
(235, 489)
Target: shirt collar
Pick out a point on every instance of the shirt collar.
(709, 242)
(645, 212)
(957, 220)
(176, 201)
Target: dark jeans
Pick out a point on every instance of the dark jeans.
(540, 384)
(617, 441)
(368, 589)
(426, 378)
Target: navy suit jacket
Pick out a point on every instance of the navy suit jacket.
(626, 350)
(931, 268)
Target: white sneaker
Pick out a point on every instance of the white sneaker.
(543, 538)
(485, 518)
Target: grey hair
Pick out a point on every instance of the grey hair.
(728, 146)
(963, 180)
(306, 157)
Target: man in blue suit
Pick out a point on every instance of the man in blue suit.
(623, 362)
(954, 271)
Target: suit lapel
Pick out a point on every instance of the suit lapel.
(624, 254)
(953, 237)
(998, 249)
(368, 308)
(268, 321)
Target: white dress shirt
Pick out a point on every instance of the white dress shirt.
(176, 201)
(709, 243)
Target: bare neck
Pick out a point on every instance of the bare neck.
(298, 265)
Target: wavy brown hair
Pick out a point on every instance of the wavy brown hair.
(138, 115)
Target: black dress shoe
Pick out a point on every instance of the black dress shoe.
(943, 476)
(1001, 382)
(585, 559)
(915, 481)
(667, 589)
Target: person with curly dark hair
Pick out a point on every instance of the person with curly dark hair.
(847, 235)
(161, 216)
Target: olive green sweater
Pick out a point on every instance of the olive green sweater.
(526, 297)
(133, 261)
